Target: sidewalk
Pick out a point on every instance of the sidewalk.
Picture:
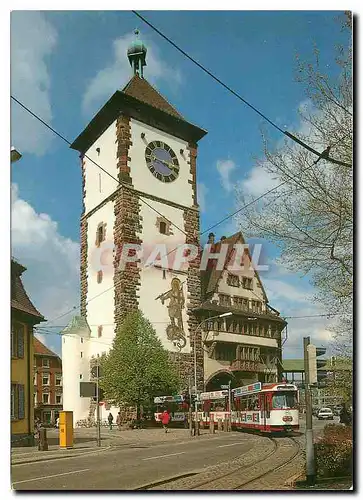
(85, 442)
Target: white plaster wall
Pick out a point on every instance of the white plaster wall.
(152, 282)
(244, 339)
(100, 310)
(179, 191)
(98, 184)
(72, 366)
(153, 285)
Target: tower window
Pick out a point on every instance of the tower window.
(100, 233)
(81, 354)
(81, 340)
(99, 276)
(162, 227)
(164, 274)
(80, 376)
(99, 331)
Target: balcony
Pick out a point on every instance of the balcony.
(245, 365)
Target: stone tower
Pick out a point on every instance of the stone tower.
(145, 195)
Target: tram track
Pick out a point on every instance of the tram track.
(284, 450)
(296, 451)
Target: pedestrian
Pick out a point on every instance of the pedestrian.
(110, 420)
(118, 420)
(345, 417)
(165, 419)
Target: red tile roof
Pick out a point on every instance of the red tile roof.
(140, 89)
(42, 350)
(19, 298)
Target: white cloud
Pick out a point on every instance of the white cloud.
(33, 40)
(280, 290)
(52, 261)
(225, 168)
(115, 75)
(202, 191)
(258, 181)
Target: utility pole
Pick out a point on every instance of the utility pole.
(310, 460)
(229, 399)
(98, 406)
(190, 408)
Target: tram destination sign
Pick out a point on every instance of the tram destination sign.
(247, 389)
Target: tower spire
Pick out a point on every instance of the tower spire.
(136, 54)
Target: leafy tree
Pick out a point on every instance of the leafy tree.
(137, 368)
(310, 216)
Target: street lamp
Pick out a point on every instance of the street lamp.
(195, 358)
(14, 155)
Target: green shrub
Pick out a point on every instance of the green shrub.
(334, 452)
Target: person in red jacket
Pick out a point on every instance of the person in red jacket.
(165, 419)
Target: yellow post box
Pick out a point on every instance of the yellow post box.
(66, 429)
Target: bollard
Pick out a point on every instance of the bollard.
(219, 424)
(228, 424)
(43, 441)
(211, 424)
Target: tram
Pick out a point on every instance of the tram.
(176, 406)
(265, 407)
(214, 405)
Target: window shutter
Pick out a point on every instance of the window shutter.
(20, 340)
(21, 403)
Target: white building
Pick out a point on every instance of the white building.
(148, 155)
(146, 194)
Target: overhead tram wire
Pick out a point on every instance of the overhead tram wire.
(220, 82)
(127, 187)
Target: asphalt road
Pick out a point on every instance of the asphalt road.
(120, 469)
(133, 467)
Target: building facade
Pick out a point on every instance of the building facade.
(245, 346)
(24, 316)
(146, 195)
(48, 393)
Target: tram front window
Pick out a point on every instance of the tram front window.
(284, 400)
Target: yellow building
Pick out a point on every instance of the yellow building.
(23, 318)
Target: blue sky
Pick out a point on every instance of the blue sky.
(65, 65)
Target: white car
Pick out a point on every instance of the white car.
(325, 414)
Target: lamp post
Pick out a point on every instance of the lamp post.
(195, 362)
(14, 155)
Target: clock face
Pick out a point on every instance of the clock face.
(162, 161)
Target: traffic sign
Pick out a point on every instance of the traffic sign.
(225, 386)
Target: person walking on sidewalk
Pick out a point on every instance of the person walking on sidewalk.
(110, 420)
(165, 419)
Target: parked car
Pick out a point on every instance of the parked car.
(325, 414)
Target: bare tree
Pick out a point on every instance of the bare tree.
(310, 216)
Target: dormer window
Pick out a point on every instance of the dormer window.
(232, 280)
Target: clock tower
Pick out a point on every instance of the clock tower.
(145, 195)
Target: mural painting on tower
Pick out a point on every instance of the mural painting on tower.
(175, 330)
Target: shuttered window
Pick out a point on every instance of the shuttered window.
(17, 405)
(17, 340)
(13, 406)
(21, 402)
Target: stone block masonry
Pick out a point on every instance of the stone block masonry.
(127, 228)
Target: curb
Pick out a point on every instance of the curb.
(291, 481)
(57, 457)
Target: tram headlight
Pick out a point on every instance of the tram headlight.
(287, 419)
